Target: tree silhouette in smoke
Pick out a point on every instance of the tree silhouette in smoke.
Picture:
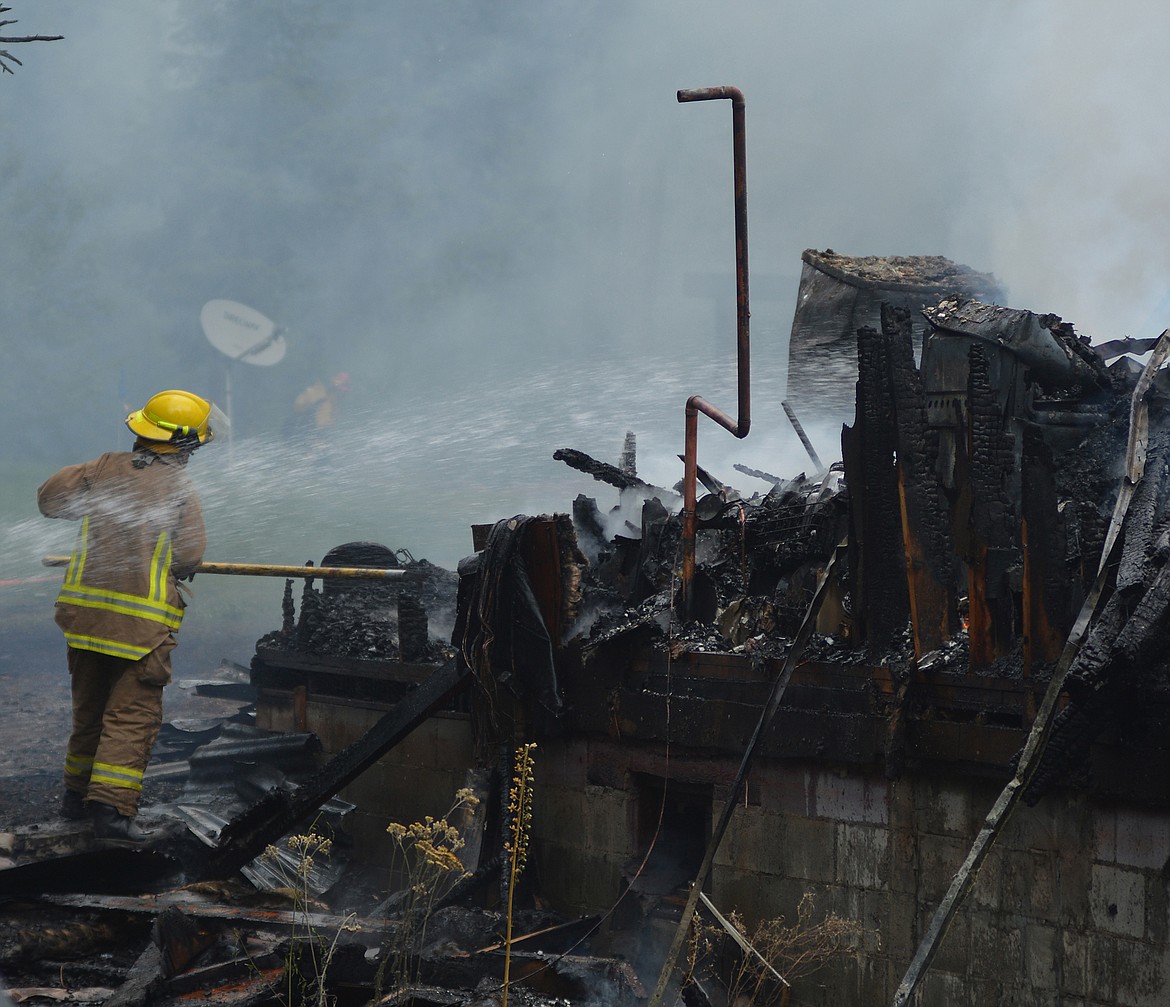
(5, 56)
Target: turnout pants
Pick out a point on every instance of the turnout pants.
(117, 714)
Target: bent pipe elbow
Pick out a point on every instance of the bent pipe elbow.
(696, 404)
(736, 427)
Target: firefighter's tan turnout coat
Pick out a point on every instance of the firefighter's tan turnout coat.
(119, 607)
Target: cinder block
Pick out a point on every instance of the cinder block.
(1142, 975)
(1157, 912)
(1102, 961)
(850, 798)
(755, 897)
(1028, 884)
(1105, 833)
(559, 813)
(939, 857)
(607, 821)
(954, 950)
(783, 787)
(943, 989)
(873, 916)
(1143, 838)
(1074, 963)
(754, 841)
(1117, 900)
(997, 947)
(600, 882)
(862, 855)
(1044, 957)
(899, 935)
(805, 849)
(559, 865)
(1073, 870)
(944, 808)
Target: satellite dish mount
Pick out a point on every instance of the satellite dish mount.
(243, 335)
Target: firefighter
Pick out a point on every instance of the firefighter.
(322, 399)
(120, 606)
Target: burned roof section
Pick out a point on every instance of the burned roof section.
(1057, 358)
(840, 294)
(934, 275)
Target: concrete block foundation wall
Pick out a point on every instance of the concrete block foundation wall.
(1070, 908)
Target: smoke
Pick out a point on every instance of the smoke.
(501, 223)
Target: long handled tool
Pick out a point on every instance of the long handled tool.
(276, 570)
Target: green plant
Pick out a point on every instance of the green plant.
(516, 847)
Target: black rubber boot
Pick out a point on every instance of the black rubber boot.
(73, 806)
(111, 828)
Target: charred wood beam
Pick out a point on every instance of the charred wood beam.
(710, 483)
(1139, 552)
(1047, 599)
(881, 599)
(606, 473)
(992, 627)
(796, 425)
(925, 512)
(216, 914)
(758, 474)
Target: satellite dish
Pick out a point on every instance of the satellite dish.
(242, 333)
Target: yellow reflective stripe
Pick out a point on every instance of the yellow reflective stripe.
(116, 776)
(112, 647)
(77, 560)
(126, 604)
(77, 765)
(160, 563)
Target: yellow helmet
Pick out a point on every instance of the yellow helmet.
(174, 416)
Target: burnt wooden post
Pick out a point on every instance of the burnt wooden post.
(992, 522)
(1047, 614)
(881, 603)
(925, 514)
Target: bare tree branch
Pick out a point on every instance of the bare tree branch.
(7, 57)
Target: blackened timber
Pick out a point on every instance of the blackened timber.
(606, 473)
(1142, 524)
(758, 474)
(879, 572)
(993, 548)
(925, 514)
(250, 833)
(1048, 604)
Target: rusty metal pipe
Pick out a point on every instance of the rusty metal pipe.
(697, 404)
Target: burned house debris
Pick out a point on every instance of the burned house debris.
(769, 720)
(878, 636)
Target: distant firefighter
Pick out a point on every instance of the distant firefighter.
(322, 399)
